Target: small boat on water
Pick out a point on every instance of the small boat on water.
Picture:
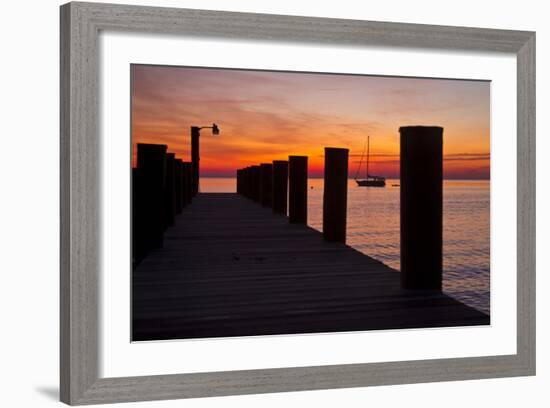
(370, 180)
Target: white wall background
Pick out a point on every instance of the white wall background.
(29, 157)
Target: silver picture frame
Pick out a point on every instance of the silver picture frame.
(81, 24)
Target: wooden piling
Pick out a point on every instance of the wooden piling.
(297, 189)
(184, 186)
(255, 183)
(170, 191)
(139, 239)
(266, 184)
(195, 158)
(335, 194)
(248, 182)
(239, 181)
(178, 169)
(280, 186)
(421, 207)
(244, 183)
(241, 186)
(188, 182)
(151, 161)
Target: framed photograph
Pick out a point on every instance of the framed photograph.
(259, 203)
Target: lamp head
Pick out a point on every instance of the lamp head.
(215, 129)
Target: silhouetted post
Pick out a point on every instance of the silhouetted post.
(297, 189)
(421, 207)
(335, 194)
(266, 184)
(195, 158)
(280, 186)
(255, 183)
(249, 182)
(170, 191)
(179, 185)
(239, 181)
(184, 186)
(242, 183)
(151, 161)
(188, 180)
(139, 248)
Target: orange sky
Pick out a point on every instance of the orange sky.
(265, 116)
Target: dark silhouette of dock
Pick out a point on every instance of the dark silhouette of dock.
(221, 265)
(231, 267)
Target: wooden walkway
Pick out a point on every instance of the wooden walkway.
(232, 268)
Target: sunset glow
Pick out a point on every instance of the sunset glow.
(265, 116)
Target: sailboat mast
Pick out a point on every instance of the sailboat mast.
(358, 171)
(368, 154)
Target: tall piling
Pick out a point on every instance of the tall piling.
(249, 182)
(297, 189)
(255, 183)
(170, 191)
(178, 170)
(188, 182)
(266, 184)
(244, 181)
(335, 194)
(421, 207)
(280, 186)
(239, 181)
(151, 162)
(195, 158)
(139, 249)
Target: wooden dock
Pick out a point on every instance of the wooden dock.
(230, 267)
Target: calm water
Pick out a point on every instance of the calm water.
(373, 228)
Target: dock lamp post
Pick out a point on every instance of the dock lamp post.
(195, 133)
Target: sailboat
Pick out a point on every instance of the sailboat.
(370, 180)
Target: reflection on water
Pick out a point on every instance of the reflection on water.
(373, 228)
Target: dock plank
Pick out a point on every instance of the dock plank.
(230, 267)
